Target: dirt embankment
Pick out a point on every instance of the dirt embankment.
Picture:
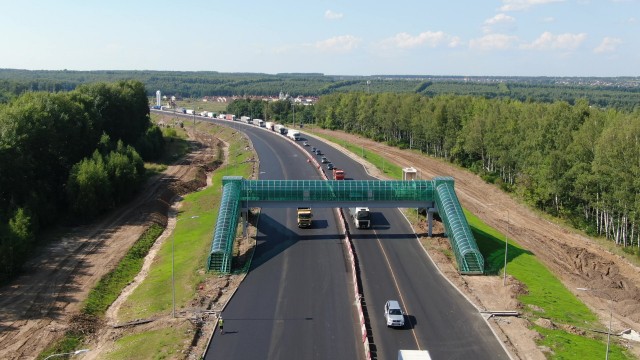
(576, 260)
(40, 305)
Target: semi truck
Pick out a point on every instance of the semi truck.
(304, 217)
(270, 125)
(361, 217)
(338, 174)
(294, 135)
(413, 355)
(258, 122)
(245, 119)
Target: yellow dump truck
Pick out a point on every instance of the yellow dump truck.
(304, 217)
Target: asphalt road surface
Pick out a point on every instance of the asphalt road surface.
(394, 266)
(297, 302)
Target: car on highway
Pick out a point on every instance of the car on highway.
(306, 143)
(330, 166)
(318, 152)
(324, 160)
(313, 149)
(393, 314)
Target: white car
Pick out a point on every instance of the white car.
(393, 314)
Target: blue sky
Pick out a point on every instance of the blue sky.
(350, 37)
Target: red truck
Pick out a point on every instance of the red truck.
(338, 174)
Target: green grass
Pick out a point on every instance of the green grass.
(568, 346)
(191, 240)
(111, 285)
(545, 291)
(166, 343)
(69, 343)
(199, 105)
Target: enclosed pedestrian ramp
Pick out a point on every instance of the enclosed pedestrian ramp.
(436, 195)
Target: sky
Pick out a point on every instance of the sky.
(350, 37)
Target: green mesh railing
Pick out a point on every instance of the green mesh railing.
(337, 190)
(468, 256)
(263, 192)
(226, 225)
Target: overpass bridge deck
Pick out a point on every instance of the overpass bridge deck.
(437, 195)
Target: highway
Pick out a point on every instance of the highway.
(267, 321)
(394, 266)
(297, 302)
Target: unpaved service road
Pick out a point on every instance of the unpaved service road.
(37, 307)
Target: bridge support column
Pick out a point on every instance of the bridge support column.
(430, 211)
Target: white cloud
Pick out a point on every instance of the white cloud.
(517, 5)
(492, 42)
(549, 41)
(332, 15)
(454, 41)
(548, 19)
(341, 44)
(501, 20)
(428, 38)
(607, 45)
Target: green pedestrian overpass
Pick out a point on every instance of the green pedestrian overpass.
(436, 195)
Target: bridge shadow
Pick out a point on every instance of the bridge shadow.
(492, 249)
(274, 238)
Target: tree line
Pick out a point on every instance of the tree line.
(618, 93)
(577, 162)
(69, 155)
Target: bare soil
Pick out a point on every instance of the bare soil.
(39, 306)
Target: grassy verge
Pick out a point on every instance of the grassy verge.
(545, 296)
(189, 245)
(163, 343)
(106, 292)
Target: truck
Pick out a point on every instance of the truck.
(338, 174)
(270, 125)
(294, 135)
(230, 117)
(281, 129)
(258, 122)
(413, 355)
(245, 119)
(190, 112)
(361, 217)
(304, 217)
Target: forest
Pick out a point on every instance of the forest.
(72, 144)
(621, 93)
(66, 157)
(577, 162)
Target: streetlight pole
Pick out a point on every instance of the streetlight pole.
(606, 356)
(173, 276)
(69, 353)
